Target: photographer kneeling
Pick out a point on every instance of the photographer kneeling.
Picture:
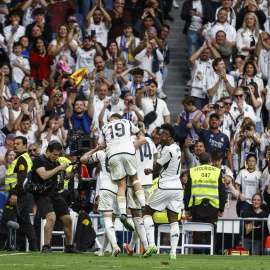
(49, 203)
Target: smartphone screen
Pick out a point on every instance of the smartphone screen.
(31, 81)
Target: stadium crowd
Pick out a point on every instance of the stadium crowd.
(70, 65)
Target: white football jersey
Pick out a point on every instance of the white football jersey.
(117, 135)
(106, 182)
(145, 159)
(170, 160)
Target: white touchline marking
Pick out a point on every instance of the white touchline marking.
(13, 254)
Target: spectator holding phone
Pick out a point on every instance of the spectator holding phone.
(54, 105)
(101, 23)
(6, 69)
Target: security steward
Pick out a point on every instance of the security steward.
(205, 196)
(49, 202)
(17, 204)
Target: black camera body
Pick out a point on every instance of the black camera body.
(79, 143)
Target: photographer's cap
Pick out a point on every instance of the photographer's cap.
(214, 115)
(53, 142)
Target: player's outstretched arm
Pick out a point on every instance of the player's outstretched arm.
(84, 158)
(141, 140)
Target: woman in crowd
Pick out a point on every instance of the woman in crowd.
(250, 74)
(59, 46)
(112, 53)
(9, 81)
(255, 210)
(254, 100)
(247, 36)
(40, 61)
(9, 158)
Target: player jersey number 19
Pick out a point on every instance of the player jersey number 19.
(120, 128)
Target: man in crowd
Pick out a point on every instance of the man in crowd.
(192, 158)
(213, 138)
(17, 204)
(101, 23)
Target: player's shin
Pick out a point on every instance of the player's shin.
(174, 237)
(110, 230)
(137, 187)
(122, 204)
(139, 227)
(150, 230)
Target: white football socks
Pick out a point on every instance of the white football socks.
(140, 231)
(174, 237)
(150, 230)
(105, 242)
(122, 204)
(110, 231)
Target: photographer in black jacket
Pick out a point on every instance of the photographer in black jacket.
(49, 203)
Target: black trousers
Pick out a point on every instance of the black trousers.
(204, 214)
(21, 212)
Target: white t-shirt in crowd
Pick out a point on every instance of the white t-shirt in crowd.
(66, 51)
(19, 33)
(170, 160)
(85, 59)
(196, 21)
(30, 136)
(117, 135)
(162, 110)
(4, 119)
(250, 183)
(101, 32)
(18, 74)
(28, 16)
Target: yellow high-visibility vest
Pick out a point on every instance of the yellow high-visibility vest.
(204, 185)
(64, 160)
(12, 177)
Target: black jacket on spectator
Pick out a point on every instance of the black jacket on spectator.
(208, 14)
(241, 16)
(47, 33)
(135, 9)
(140, 31)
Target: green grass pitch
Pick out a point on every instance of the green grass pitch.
(20, 260)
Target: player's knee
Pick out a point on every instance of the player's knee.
(51, 218)
(67, 220)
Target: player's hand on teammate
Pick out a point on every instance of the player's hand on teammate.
(148, 171)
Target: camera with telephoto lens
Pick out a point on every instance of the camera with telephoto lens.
(78, 142)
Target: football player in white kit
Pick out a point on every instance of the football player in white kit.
(107, 204)
(116, 138)
(169, 192)
(146, 156)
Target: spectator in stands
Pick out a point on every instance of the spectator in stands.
(60, 46)
(40, 61)
(24, 40)
(153, 4)
(250, 7)
(247, 142)
(237, 64)
(250, 74)
(100, 75)
(127, 44)
(253, 99)
(78, 118)
(9, 158)
(148, 104)
(9, 143)
(213, 138)
(9, 81)
(200, 69)
(135, 8)
(101, 27)
(77, 32)
(28, 9)
(147, 23)
(55, 106)
(240, 109)
(55, 130)
(221, 24)
(86, 52)
(46, 28)
(227, 4)
(58, 11)
(226, 123)
(253, 241)
(224, 49)
(227, 101)
(192, 157)
(33, 150)
(196, 14)
(220, 84)
(167, 6)
(262, 53)
(118, 17)
(21, 66)
(247, 36)
(166, 51)
(14, 27)
(112, 53)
